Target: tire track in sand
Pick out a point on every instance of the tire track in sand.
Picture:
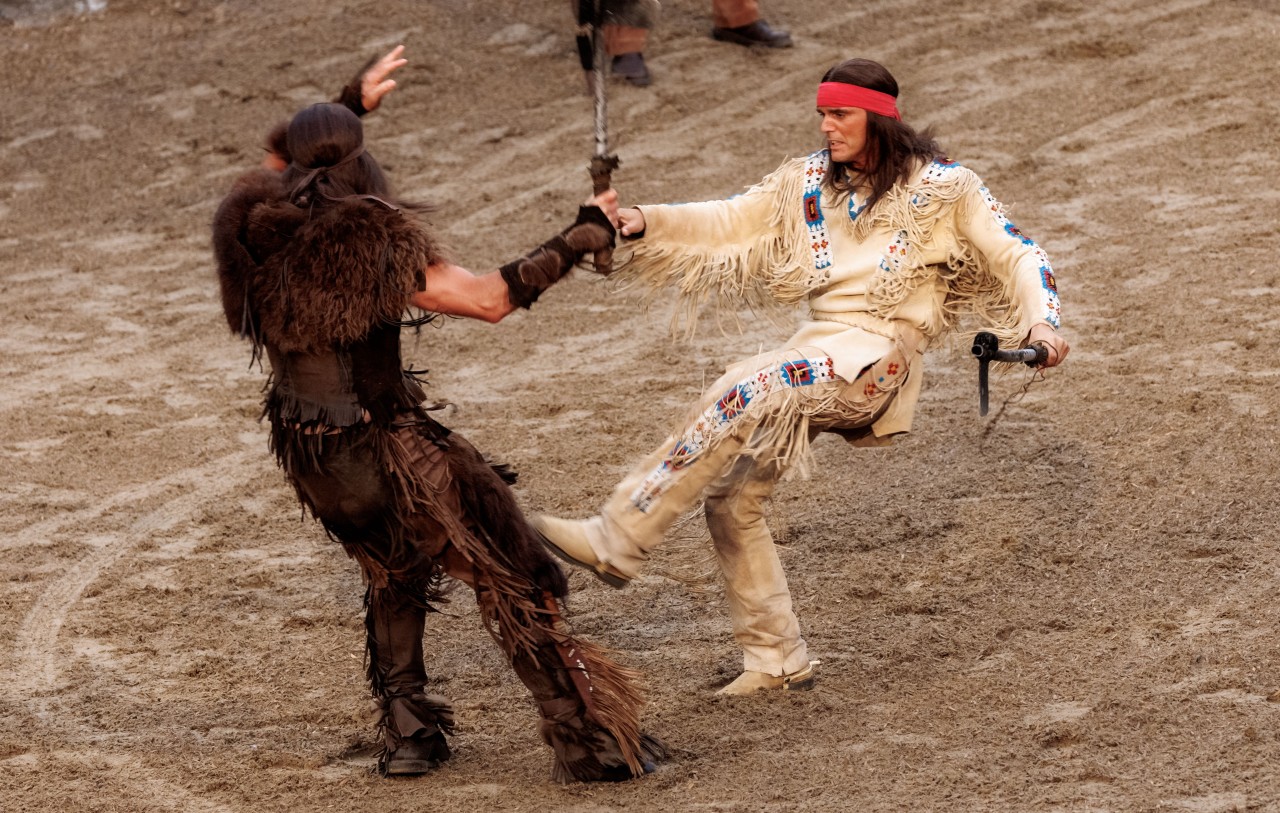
(36, 647)
(37, 650)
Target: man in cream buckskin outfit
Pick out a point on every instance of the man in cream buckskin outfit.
(887, 242)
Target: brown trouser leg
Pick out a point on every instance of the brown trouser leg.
(584, 751)
(541, 670)
(734, 13)
(624, 39)
(413, 723)
(467, 525)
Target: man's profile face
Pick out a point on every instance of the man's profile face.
(845, 129)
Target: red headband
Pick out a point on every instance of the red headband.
(839, 94)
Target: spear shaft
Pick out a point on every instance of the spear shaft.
(602, 162)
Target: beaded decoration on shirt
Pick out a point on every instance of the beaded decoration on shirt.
(895, 255)
(815, 170)
(1049, 301)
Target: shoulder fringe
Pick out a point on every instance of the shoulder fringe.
(914, 211)
(768, 274)
(776, 271)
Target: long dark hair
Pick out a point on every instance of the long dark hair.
(894, 149)
(328, 161)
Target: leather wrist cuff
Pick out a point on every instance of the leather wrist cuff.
(537, 271)
(593, 214)
(352, 99)
(519, 293)
(543, 267)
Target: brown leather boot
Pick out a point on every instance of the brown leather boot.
(413, 728)
(416, 756)
(412, 724)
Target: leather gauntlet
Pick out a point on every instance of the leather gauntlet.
(543, 267)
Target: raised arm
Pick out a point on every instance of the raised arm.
(371, 84)
(361, 95)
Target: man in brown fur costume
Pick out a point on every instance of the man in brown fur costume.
(318, 265)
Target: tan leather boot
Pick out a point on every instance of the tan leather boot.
(749, 682)
(570, 539)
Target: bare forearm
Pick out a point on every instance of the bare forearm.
(453, 290)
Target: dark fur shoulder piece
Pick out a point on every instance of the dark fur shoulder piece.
(351, 266)
(306, 280)
(236, 265)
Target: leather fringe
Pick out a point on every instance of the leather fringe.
(776, 271)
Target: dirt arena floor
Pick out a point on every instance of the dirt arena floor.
(1068, 605)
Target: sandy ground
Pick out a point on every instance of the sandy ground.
(1068, 605)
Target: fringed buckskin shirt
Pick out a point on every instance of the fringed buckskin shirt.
(932, 249)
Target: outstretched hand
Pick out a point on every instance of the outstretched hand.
(374, 84)
(630, 221)
(1057, 346)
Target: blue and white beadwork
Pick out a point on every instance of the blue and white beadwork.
(937, 171)
(1052, 306)
(725, 413)
(815, 170)
(895, 255)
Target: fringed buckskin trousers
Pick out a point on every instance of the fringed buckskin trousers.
(751, 425)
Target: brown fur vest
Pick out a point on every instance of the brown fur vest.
(307, 281)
